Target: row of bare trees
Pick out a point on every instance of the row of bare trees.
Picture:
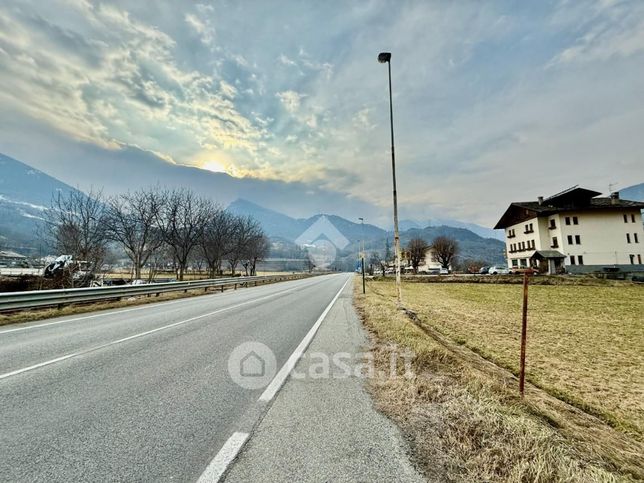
(444, 250)
(150, 222)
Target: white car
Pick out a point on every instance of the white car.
(444, 271)
(499, 270)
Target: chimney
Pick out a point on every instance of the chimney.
(540, 199)
(614, 197)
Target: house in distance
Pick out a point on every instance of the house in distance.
(575, 231)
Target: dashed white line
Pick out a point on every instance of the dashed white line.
(142, 334)
(102, 314)
(229, 451)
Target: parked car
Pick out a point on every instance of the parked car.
(498, 270)
(484, 270)
(444, 271)
(519, 270)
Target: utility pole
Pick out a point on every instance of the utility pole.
(362, 253)
(382, 58)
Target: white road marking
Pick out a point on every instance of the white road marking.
(236, 442)
(142, 334)
(282, 375)
(224, 457)
(102, 314)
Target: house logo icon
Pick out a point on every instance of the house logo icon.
(322, 228)
(252, 365)
(322, 240)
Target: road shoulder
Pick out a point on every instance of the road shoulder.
(326, 428)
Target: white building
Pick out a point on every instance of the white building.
(576, 231)
(429, 263)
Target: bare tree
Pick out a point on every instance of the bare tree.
(131, 221)
(445, 250)
(244, 229)
(217, 239)
(417, 248)
(182, 220)
(257, 249)
(76, 223)
(374, 261)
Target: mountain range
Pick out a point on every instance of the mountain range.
(26, 193)
(278, 225)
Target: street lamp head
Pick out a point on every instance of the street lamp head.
(384, 57)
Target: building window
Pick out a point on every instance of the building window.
(511, 233)
(575, 220)
(580, 260)
(635, 238)
(572, 259)
(628, 238)
(639, 259)
(625, 218)
(577, 240)
(567, 220)
(555, 243)
(569, 239)
(523, 262)
(553, 224)
(633, 218)
(632, 257)
(515, 262)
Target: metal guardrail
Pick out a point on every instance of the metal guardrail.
(59, 297)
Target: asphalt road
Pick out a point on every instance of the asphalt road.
(141, 394)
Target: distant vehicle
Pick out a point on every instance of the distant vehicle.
(138, 281)
(498, 270)
(484, 270)
(444, 271)
(517, 270)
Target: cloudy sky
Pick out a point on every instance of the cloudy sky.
(493, 101)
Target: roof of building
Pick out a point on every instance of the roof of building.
(573, 199)
(10, 254)
(545, 254)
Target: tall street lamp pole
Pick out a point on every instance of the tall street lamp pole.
(362, 252)
(385, 57)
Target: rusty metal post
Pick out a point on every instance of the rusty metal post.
(524, 329)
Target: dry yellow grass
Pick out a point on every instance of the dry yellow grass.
(463, 414)
(585, 344)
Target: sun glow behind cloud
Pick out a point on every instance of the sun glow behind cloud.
(263, 90)
(214, 166)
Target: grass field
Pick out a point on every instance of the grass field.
(584, 348)
(585, 344)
